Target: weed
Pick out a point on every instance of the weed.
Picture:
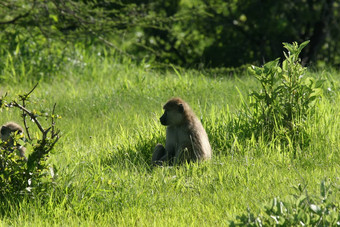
(298, 209)
(278, 112)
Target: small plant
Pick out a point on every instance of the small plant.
(279, 110)
(297, 210)
(19, 175)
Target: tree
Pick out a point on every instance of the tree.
(216, 33)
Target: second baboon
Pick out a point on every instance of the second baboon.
(186, 139)
(7, 131)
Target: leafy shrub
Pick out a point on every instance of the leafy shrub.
(300, 209)
(287, 96)
(19, 176)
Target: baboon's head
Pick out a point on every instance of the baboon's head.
(174, 111)
(9, 128)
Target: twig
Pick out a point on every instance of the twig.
(45, 133)
(55, 141)
(31, 90)
(53, 123)
(24, 119)
(24, 98)
(32, 115)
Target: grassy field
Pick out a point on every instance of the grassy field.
(110, 111)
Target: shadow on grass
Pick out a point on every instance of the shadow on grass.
(136, 153)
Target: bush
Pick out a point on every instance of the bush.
(18, 175)
(300, 209)
(280, 109)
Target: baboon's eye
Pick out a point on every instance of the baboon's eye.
(180, 108)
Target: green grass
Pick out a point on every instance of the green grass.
(110, 111)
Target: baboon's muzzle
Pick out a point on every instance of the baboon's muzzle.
(163, 119)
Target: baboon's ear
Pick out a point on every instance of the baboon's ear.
(181, 108)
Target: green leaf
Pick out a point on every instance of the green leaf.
(271, 64)
(54, 17)
(302, 45)
(289, 47)
(301, 200)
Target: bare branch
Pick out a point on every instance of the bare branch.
(32, 115)
(32, 90)
(24, 113)
(52, 145)
(53, 122)
(24, 119)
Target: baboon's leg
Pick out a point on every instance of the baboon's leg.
(159, 154)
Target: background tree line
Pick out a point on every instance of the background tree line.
(209, 33)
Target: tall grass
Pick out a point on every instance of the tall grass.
(110, 111)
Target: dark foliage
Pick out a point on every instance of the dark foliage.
(213, 33)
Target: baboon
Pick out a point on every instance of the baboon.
(186, 139)
(6, 131)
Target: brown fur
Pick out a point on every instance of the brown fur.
(6, 130)
(186, 139)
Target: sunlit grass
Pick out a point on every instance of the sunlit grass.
(109, 125)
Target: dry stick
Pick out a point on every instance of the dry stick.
(24, 119)
(45, 133)
(32, 115)
(53, 123)
(31, 90)
(24, 98)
